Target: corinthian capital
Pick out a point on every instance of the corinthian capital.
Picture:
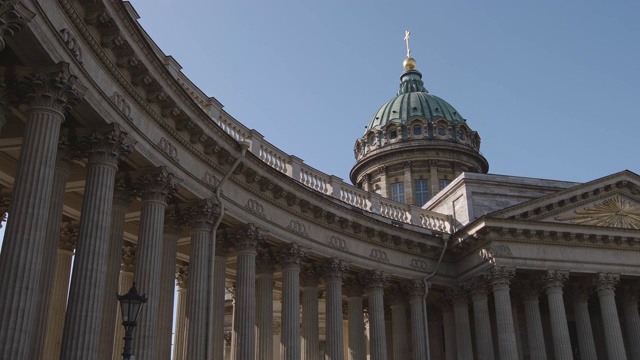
(13, 18)
(156, 185)
(290, 255)
(51, 87)
(201, 214)
(246, 238)
(123, 191)
(182, 276)
(173, 220)
(333, 269)
(375, 280)
(106, 145)
(555, 279)
(606, 282)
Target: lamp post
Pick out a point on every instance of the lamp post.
(130, 305)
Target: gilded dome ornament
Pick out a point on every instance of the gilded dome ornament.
(615, 212)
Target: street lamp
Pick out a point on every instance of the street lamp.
(130, 305)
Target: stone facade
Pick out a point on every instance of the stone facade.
(159, 171)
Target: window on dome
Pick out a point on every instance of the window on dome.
(461, 134)
(442, 131)
(393, 134)
(444, 183)
(417, 129)
(373, 140)
(422, 191)
(397, 192)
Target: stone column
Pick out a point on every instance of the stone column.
(127, 267)
(353, 290)
(530, 292)
(448, 321)
(66, 152)
(121, 197)
(419, 329)
(433, 178)
(333, 270)
(246, 240)
(580, 294)
(4, 103)
(289, 257)
(180, 339)
(375, 281)
(83, 325)
(480, 298)
(154, 187)
(219, 277)
(399, 342)
(50, 91)
(200, 216)
(464, 347)
(605, 284)
(264, 307)
(60, 286)
(500, 277)
(309, 279)
(515, 303)
(631, 320)
(172, 223)
(553, 282)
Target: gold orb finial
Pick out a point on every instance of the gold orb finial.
(409, 63)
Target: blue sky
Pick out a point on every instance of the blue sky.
(551, 86)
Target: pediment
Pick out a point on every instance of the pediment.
(613, 201)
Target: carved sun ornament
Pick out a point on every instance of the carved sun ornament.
(614, 212)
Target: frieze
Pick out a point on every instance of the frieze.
(379, 255)
(491, 252)
(338, 243)
(168, 148)
(255, 207)
(210, 179)
(122, 104)
(298, 228)
(71, 43)
(419, 264)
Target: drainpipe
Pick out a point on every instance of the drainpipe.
(244, 145)
(426, 292)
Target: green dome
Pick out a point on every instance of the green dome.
(413, 101)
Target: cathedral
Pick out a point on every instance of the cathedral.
(117, 171)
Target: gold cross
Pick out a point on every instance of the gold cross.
(406, 39)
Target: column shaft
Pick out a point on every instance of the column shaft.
(500, 277)
(197, 299)
(583, 322)
(264, 308)
(375, 292)
(50, 250)
(333, 270)
(464, 346)
(559, 328)
(24, 241)
(418, 324)
(83, 325)
(109, 315)
(310, 322)
(356, 321)
(246, 240)
(448, 320)
(484, 340)
(399, 331)
(219, 277)
(167, 281)
(289, 257)
(605, 284)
